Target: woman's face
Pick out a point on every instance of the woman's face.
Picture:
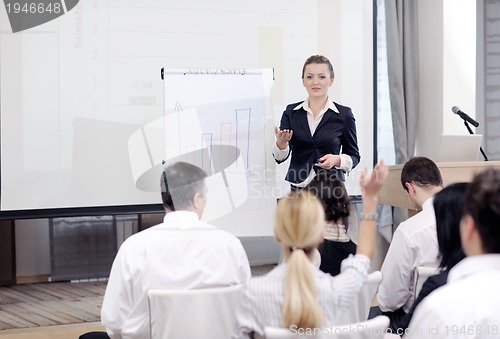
(317, 80)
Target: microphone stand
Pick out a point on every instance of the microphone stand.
(471, 132)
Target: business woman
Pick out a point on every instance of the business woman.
(318, 133)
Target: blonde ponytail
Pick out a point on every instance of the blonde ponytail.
(300, 227)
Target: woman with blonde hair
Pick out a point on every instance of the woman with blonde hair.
(296, 294)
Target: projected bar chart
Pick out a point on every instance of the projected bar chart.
(243, 124)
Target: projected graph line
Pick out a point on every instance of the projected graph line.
(178, 109)
(225, 129)
(243, 118)
(146, 143)
(206, 143)
(228, 189)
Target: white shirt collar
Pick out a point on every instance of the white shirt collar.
(475, 264)
(329, 105)
(182, 220)
(428, 203)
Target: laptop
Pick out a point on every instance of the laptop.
(454, 148)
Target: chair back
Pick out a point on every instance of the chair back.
(360, 307)
(421, 273)
(370, 329)
(201, 313)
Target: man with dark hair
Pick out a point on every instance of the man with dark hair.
(469, 304)
(420, 171)
(181, 253)
(414, 242)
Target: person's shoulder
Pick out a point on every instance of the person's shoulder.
(419, 222)
(263, 282)
(403, 229)
(219, 234)
(137, 242)
(139, 236)
(441, 295)
(342, 108)
(209, 227)
(323, 278)
(403, 237)
(291, 107)
(344, 112)
(259, 282)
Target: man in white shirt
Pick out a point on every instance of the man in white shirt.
(468, 306)
(414, 242)
(181, 253)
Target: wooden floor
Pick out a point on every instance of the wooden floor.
(72, 331)
(57, 310)
(50, 304)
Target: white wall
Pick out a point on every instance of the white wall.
(447, 78)
(459, 55)
(342, 31)
(345, 35)
(447, 69)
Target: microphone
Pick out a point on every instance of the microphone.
(464, 116)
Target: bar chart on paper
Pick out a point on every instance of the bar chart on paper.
(203, 127)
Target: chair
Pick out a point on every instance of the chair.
(421, 273)
(316, 259)
(201, 313)
(373, 329)
(360, 306)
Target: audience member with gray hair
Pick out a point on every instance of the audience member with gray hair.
(183, 252)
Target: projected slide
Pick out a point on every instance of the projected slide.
(75, 90)
(203, 127)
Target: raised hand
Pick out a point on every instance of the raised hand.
(372, 184)
(368, 226)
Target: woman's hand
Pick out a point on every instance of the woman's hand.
(282, 137)
(372, 184)
(328, 161)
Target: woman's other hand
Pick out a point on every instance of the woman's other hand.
(328, 161)
(282, 137)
